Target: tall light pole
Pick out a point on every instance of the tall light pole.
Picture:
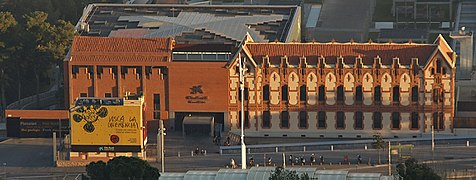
(242, 118)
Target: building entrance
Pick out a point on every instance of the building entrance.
(199, 123)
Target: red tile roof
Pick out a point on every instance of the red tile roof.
(86, 48)
(331, 51)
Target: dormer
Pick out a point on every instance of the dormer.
(415, 67)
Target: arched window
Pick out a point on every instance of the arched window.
(415, 94)
(377, 94)
(322, 93)
(377, 120)
(340, 121)
(321, 120)
(358, 94)
(396, 94)
(359, 120)
(284, 119)
(266, 92)
(284, 93)
(340, 93)
(396, 120)
(303, 93)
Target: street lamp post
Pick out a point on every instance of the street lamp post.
(4, 170)
(242, 91)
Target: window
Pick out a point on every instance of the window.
(340, 93)
(266, 119)
(359, 120)
(322, 95)
(438, 65)
(414, 123)
(377, 120)
(245, 92)
(395, 120)
(340, 124)
(358, 94)
(438, 121)
(156, 115)
(321, 120)
(302, 120)
(266, 93)
(302, 93)
(435, 95)
(396, 94)
(377, 94)
(83, 94)
(284, 93)
(156, 101)
(284, 119)
(415, 94)
(247, 120)
(107, 94)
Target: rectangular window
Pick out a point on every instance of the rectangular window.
(302, 93)
(247, 120)
(245, 93)
(266, 93)
(321, 120)
(441, 124)
(284, 93)
(284, 119)
(107, 94)
(156, 115)
(415, 94)
(302, 119)
(396, 94)
(156, 101)
(340, 94)
(340, 121)
(358, 94)
(322, 95)
(395, 120)
(414, 119)
(83, 94)
(377, 94)
(377, 120)
(359, 120)
(438, 121)
(266, 119)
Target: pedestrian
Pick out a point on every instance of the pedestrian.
(312, 159)
(296, 160)
(321, 158)
(197, 150)
(233, 163)
(359, 159)
(303, 161)
(291, 160)
(270, 162)
(252, 161)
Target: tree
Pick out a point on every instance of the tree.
(282, 174)
(122, 168)
(47, 43)
(7, 24)
(379, 144)
(412, 170)
(97, 170)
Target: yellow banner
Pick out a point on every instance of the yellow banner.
(106, 125)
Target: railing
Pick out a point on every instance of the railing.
(329, 145)
(46, 99)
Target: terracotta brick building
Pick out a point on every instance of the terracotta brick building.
(344, 89)
(293, 89)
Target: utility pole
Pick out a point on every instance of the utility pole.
(389, 160)
(54, 148)
(161, 137)
(432, 138)
(242, 118)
